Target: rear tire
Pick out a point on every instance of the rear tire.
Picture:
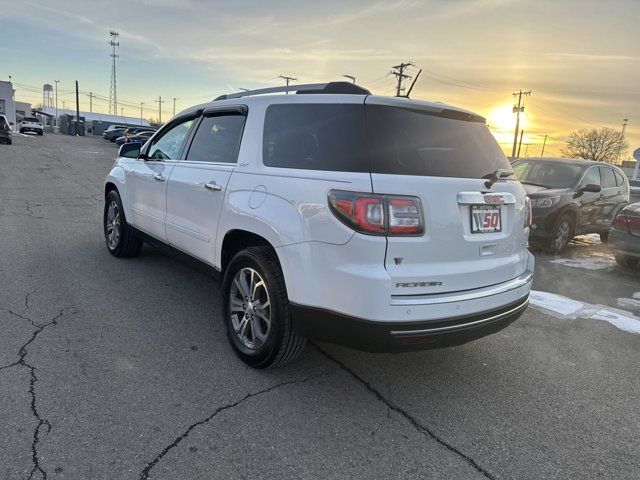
(254, 291)
(40, 133)
(604, 237)
(626, 261)
(562, 234)
(120, 238)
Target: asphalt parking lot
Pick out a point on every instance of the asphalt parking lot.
(119, 369)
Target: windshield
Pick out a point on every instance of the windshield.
(547, 174)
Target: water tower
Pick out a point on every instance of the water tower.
(47, 95)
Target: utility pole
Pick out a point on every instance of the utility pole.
(520, 142)
(56, 82)
(543, 145)
(77, 110)
(113, 99)
(526, 150)
(174, 106)
(160, 102)
(121, 111)
(64, 105)
(141, 104)
(517, 109)
(625, 122)
(398, 72)
(413, 83)
(90, 101)
(350, 77)
(288, 79)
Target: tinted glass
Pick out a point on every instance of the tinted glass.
(217, 139)
(169, 145)
(315, 136)
(619, 179)
(547, 174)
(31, 119)
(608, 178)
(592, 176)
(410, 142)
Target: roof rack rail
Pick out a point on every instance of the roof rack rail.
(330, 87)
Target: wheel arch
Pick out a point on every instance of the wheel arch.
(236, 240)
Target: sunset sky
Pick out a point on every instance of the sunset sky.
(581, 58)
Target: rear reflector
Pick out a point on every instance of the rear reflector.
(373, 214)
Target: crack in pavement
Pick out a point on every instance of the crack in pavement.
(412, 420)
(27, 297)
(22, 352)
(144, 475)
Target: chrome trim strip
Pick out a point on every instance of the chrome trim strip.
(453, 328)
(432, 299)
(477, 198)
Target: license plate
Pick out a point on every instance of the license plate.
(486, 219)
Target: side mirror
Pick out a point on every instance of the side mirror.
(592, 187)
(129, 150)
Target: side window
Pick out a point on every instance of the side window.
(217, 139)
(592, 176)
(608, 178)
(619, 179)
(315, 137)
(168, 146)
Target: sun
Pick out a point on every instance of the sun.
(503, 118)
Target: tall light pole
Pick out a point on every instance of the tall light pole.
(56, 82)
(174, 106)
(141, 104)
(625, 122)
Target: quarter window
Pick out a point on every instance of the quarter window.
(619, 179)
(217, 139)
(608, 178)
(168, 146)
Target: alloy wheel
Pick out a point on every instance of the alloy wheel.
(113, 225)
(250, 308)
(562, 235)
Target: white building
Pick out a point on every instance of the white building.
(95, 122)
(7, 104)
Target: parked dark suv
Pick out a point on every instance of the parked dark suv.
(571, 197)
(5, 130)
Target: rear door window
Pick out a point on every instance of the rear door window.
(413, 142)
(608, 178)
(217, 139)
(315, 136)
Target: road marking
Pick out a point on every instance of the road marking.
(567, 308)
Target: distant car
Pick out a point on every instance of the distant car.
(31, 124)
(112, 135)
(140, 137)
(624, 236)
(135, 130)
(5, 130)
(571, 197)
(115, 127)
(634, 191)
(121, 140)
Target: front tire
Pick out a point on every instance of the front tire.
(562, 234)
(256, 310)
(604, 237)
(119, 236)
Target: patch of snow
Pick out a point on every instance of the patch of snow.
(595, 261)
(565, 307)
(636, 295)
(629, 302)
(555, 303)
(589, 239)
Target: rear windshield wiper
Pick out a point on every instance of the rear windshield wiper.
(499, 174)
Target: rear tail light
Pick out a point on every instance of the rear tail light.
(633, 223)
(620, 221)
(373, 214)
(528, 215)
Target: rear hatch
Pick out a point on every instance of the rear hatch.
(474, 233)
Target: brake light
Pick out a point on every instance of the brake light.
(620, 221)
(528, 215)
(634, 224)
(374, 214)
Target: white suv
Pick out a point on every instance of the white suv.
(31, 124)
(383, 224)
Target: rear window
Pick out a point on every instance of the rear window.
(551, 174)
(378, 139)
(315, 137)
(411, 142)
(31, 119)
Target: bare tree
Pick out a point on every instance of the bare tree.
(601, 145)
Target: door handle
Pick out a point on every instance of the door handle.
(212, 186)
(159, 177)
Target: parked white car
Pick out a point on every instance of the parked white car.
(31, 124)
(383, 224)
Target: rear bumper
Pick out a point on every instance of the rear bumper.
(398, 336)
